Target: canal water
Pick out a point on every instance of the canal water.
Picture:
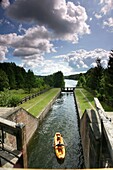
(61, 118)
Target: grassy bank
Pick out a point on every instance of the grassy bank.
(37, 104)
(86, 100)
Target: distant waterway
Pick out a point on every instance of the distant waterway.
(70, 83)
(61, 118)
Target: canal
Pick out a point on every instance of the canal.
(61, 118)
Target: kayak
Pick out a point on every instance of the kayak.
(59, 146)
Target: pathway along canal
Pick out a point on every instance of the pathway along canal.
(61, 118)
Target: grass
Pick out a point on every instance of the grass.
(86, 100)
(83, 100)
(22, 93)
(106, 107)
(37, 104)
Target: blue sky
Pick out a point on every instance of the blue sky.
(47, 36)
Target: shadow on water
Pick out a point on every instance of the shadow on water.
(62, 118)
(60, 161)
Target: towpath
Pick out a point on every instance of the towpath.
(82, 99)
(87, 99)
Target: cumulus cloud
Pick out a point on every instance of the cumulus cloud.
(98, 16)
(82, 60)
(65, 20)
(74, 62)
(36, 40)
(107, 6)
(3, 52)
(4, 3)
(21, 29)
(47, 67)
(30, 47)
(108, 22)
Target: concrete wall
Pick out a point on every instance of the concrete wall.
(22, 116)
(44, 112)
(90, 132)
(91, 139)
(19, 115)
(95, 144)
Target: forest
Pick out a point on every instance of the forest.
(99, 80)
(13, 77)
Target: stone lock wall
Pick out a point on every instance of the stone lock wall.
(30, 122)
(91, 138)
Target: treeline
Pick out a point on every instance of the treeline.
(15, 77)
(55, 80)
(99, 80)
(73, 77)
(15, 82)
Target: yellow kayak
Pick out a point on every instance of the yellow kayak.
(59, 146)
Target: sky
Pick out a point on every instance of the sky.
(47, 36)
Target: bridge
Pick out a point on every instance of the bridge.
(67, 89)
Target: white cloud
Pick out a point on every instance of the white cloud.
(98, 16)
(3, 52)
(5, 3)
(108, 22)
(66, 20)
(21, 29)
(36, 40)
(107, 6)
(82, 60)
(74, 62)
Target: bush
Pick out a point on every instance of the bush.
(4, 97)
(13, 101)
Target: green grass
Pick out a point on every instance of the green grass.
(83, 102)
(37, 104)
(106, 107)
(19, 93)
(22, 93)
(89, 96)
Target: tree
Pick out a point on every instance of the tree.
(109, 79)
(58, 79)
(4, 82)
(30, 80)
(11, 76)
(81, 80)
(94, 75)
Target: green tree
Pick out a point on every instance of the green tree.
(109, 79)
(11, 76)
(94, 75)
(82, 80)
(58, 79)
(4, 82)
(30, 80)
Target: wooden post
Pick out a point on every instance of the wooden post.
(21, 142)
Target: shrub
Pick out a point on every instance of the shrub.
(13, 101)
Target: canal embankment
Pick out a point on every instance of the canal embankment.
(94, 141)
(38, 108)
(22, 117)
(89, 129)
